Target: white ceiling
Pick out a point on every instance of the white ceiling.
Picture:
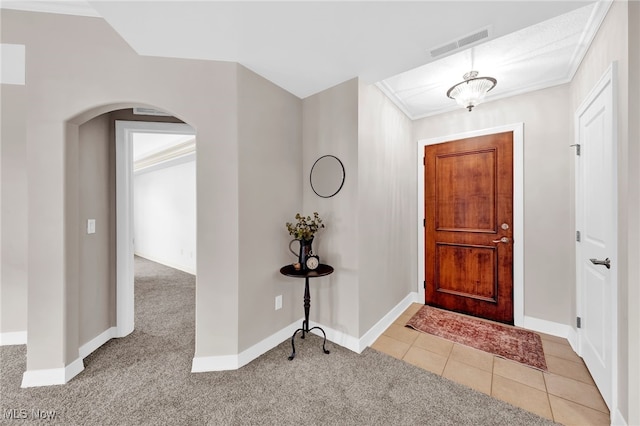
(542, 55)
(308, 46)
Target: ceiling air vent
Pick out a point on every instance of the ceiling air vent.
(444, 49)
(461, 42)
(149, 111)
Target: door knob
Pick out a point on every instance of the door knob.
(502, 240)
(606, 262)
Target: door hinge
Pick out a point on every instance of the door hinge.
(578, 236)
(424, 285)
(424, 222)
(578, 322)
(424, 161)
(577, 145)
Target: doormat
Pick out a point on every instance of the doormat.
(505, 341)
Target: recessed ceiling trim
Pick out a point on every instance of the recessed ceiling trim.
(598, 14)
(384, 88)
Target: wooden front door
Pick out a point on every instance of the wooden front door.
(468, 226)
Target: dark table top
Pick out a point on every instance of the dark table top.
(320, 271)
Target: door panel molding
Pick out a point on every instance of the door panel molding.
(595, 124)
(447, 170)
(491, 252)
(518, 209)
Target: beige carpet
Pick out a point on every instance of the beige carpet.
(145, 379)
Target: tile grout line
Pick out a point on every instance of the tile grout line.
(493, 369)
(447, 361)
(546, 389)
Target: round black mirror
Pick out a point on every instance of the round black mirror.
(327, 176)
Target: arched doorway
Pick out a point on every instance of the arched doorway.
(102, 248)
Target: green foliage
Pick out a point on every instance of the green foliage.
(305, 227)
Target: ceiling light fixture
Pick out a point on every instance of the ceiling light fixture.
(471, 91)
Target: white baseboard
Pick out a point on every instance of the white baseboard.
(184, 268)
(376, 331)
(60, 376)
(338, 337)
(233, 362)
(13, 338)
(547, 327)
(52, 376)
(86, 349)
(573, 339)
(617, 419)
(552, 328)
(245, 357)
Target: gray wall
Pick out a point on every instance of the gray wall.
(633, 228)
(369, 238)
(387, 193)
(95, 186)
(270, 193)
(13, 218)
(330, 126)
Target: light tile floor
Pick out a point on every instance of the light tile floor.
(565, 394)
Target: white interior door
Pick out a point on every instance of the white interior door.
(596, 220)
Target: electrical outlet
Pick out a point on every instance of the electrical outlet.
(91, 226)
(278, 302)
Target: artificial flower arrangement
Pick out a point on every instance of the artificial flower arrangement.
(305, 227)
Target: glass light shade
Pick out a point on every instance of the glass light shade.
(472, 91)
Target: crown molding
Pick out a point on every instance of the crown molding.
(171, 153)
(78, 7)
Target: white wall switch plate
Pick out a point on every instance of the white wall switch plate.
(91, 226)
(278, 302)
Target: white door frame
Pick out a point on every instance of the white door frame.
(607, 81)
(518, 209)
(124, 213)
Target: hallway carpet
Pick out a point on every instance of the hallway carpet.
(145, 378)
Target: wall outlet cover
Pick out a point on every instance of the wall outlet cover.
(278, 302)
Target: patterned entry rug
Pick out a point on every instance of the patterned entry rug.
(508, 342)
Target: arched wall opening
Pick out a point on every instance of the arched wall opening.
(56, 342)
(98, 219)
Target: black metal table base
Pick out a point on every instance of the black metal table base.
(305, 330)
(290, 271)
